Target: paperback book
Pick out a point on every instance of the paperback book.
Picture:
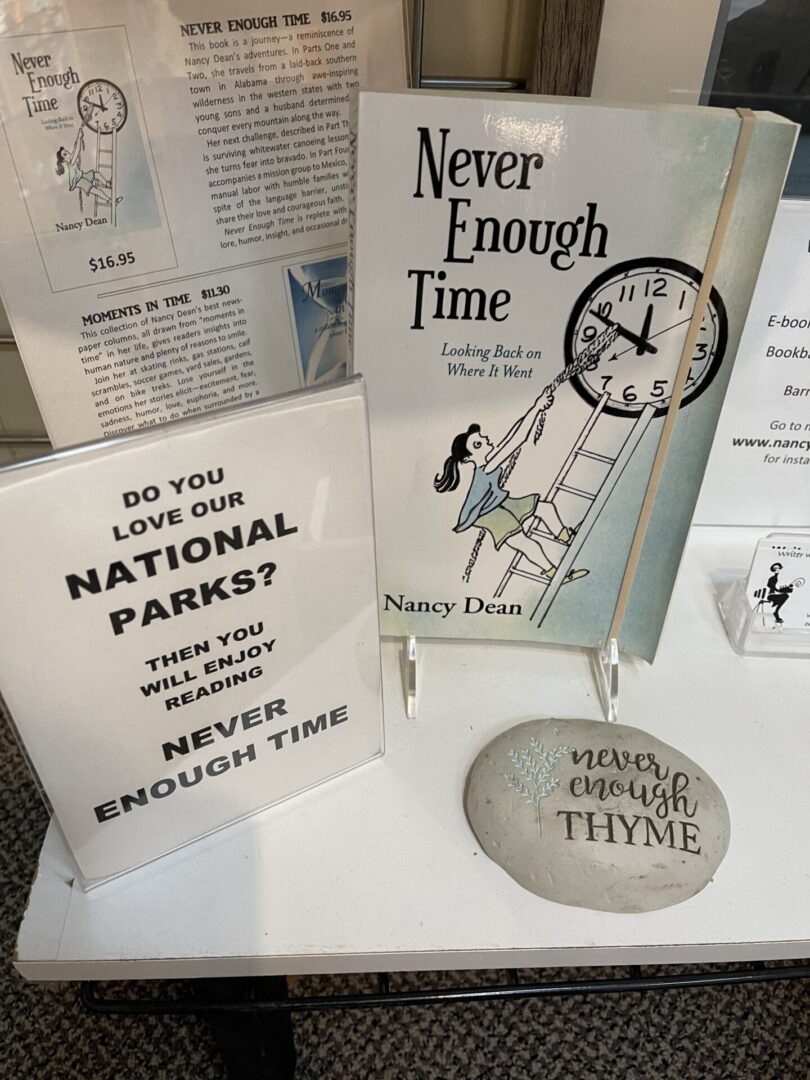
(523, 278)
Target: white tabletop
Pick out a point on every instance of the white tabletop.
(379, 870)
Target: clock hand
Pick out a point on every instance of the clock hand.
(641, 344)
(657, 334)
(101, 104)
(645, 330)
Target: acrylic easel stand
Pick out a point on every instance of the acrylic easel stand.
(753, 631)
(409, 675)
(604, 666)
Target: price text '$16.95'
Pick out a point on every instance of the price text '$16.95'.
(110, 262)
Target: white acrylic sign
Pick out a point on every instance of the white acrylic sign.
(173, 221)
(189, 627)
(759, 468)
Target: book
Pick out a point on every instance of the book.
(524, 277)
(173, 225)
(190, 627)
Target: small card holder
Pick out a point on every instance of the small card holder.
(767, 613)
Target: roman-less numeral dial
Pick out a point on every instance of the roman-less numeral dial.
(650, 302)
(102, 106)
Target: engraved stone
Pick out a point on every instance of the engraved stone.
(597, 815)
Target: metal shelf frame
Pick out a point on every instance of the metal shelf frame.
(635, 982)
(447, 82)
(251, 1018)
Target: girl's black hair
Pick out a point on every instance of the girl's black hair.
(61, 154)
(448, 479)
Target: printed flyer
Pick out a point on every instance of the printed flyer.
(525, 273)
(173, 220)
(201, 640)
(764, 430)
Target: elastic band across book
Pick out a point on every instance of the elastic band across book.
(747, 122)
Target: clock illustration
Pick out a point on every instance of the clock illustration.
(102, 106)
(650, 301)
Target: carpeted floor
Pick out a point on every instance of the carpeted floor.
(730, 1033)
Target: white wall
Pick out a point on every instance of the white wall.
(654, 50)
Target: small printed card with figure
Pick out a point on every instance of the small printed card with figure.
(189, 628)
(527, 304)
(777, 583)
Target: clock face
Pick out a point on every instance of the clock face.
(650, 301)
(102, 106)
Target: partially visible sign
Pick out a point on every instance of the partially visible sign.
(189, 627)
(759, 469)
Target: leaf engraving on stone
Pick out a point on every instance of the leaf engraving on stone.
(535, 766)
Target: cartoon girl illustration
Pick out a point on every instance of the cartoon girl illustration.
(86, 182)
(489, 506)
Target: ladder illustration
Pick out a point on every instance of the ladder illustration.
(521, 566)
(106, 167)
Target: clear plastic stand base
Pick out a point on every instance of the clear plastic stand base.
(754, 631)
(605, 663)
(409, 675)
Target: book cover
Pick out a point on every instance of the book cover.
(525, 272)
(190, 628)
(317, 297)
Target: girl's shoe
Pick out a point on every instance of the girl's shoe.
(572, 575)
(575, 575)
